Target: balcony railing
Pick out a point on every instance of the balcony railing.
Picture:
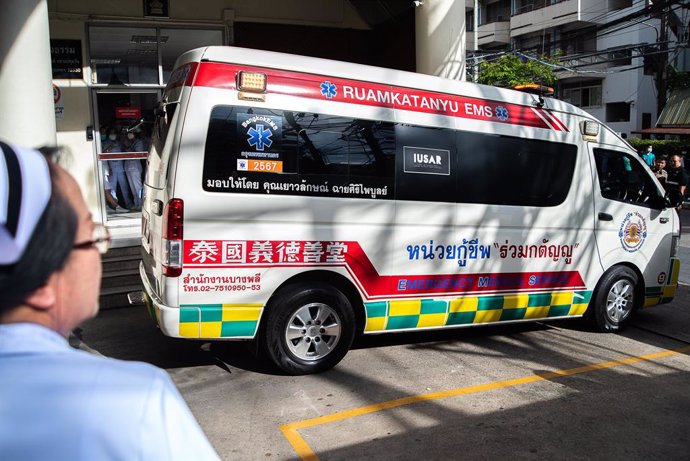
(536, 5)
(499, 18)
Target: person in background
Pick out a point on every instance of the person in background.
(649, 157)
(659, 170)
(117, 175)
(109, 196)
(56, 402)
(677, 180)
(133, 166)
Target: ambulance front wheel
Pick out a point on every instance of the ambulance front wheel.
(614, 300)
(309, 328)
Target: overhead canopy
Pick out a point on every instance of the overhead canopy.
(675, 118)
(663, 130)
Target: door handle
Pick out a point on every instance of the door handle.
(157, 207)
(605, 217)
(663, 220)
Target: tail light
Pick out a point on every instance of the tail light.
(173, 215)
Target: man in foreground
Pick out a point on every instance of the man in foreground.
(56, 402)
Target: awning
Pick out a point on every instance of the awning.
(675, 118)
(677, 110)
(661, 130)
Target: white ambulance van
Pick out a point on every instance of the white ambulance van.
(299, 202)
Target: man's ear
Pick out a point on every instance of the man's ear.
(44, 297)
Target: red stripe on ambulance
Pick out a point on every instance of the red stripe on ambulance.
(219, 254)
(219, 75)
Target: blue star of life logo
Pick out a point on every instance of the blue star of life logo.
(502, 113)
(329, 90)
(259, 137)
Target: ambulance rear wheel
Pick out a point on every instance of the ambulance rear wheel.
(309, 328)
(614, 300)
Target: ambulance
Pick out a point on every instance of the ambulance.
(299, 202)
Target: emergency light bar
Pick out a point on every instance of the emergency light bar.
(589, 128)
(533, 88)
(251, 85)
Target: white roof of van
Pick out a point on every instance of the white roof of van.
(327, 67)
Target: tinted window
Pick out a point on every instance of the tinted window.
(161, 128)
(502, 170)
(302, 153)
(624, 179)
(298, 153)
(426, 168)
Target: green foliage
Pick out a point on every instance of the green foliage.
(661, 146)
(677, 80)
(509, 71)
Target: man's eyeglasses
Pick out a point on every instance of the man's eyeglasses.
(100, 239)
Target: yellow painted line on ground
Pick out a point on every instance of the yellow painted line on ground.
(304, 451)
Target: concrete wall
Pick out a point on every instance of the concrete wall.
(440, 38)
(75, 105)
(26, 115)
(545, 18)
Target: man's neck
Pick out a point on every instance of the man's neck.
(27, 314)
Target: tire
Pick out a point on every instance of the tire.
(308, 329)
(615, 300)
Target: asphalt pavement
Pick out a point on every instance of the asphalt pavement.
(553, 390)
(684, 248)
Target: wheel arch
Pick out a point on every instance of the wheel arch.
(639, 287)
(338, 281)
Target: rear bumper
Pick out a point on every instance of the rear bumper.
(167, 318)
(201, 321)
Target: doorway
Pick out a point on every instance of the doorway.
(124, 119)
(130, 66)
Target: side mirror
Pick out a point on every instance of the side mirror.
(673, 198)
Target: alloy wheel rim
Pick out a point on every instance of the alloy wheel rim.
(313, 331)
(619, 301)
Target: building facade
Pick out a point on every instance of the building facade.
(110, 62)
(612, 53)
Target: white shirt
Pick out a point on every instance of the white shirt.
(58, 403)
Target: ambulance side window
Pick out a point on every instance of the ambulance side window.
(624, 179)
(505, 170)
(161, 127)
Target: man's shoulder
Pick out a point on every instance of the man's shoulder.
(124, 369)
(680, 172)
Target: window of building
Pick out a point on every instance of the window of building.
(617, 112)
(179, 41)
(621, 57)
(585, 96)
(141, 55)
(540, 44)
(495, 12)
(579, 41)
(615, 5)
(524, 6)
(469, 21)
